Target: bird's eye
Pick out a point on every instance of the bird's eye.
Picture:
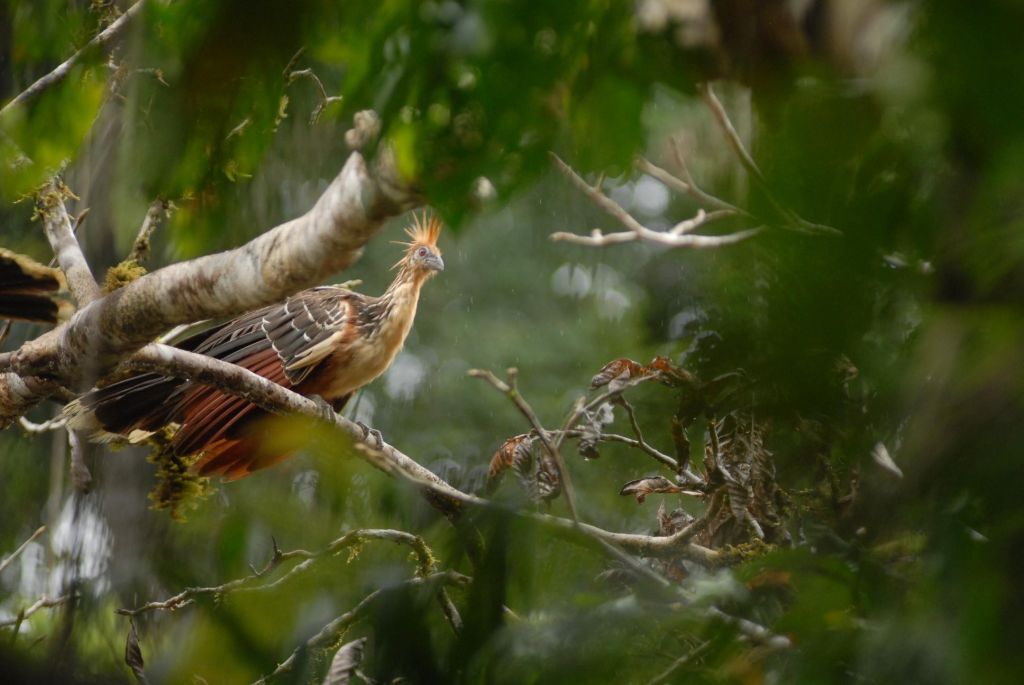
(422, 252)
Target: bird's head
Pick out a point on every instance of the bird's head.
(422, 255)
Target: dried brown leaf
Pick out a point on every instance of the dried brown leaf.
(133, 655)
(619, 374)
(547, 482)
(643, 487)
(513, 453)
(669, 373)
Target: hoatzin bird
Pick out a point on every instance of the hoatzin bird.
(327, 342)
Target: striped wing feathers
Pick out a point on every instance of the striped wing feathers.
(306, 328)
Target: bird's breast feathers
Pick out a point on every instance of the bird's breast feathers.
(366, 352)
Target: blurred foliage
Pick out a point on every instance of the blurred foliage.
(897, 123)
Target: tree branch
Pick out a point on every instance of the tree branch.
(41, 603)
(155, 215)
(731, 134)
(21, 548)
(100, 40)
(678, 236)
(686, 185)
(736, 143)
(424, 556)
(325, 99)
(66, 249)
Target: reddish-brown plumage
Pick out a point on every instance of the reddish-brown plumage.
(326, 341)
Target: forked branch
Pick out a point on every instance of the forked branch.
(679, 236)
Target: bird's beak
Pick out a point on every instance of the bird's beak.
(434, 262)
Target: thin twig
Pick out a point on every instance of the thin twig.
(247, 583)
(511, 391)
(41, 603)
(157, 212)
(707, 94)
(61, 72)
(325, 99)
(755, 631)
(678, 236)
(736, 143)
(451, 612)
(679, 663)
(686, 185)
(21, 548)
(654, 452)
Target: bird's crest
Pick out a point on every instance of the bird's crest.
(425, 230)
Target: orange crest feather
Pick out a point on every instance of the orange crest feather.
(425, 230)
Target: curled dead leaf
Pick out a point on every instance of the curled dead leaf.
(643, 487)
(619, 374)
(133, 655)
(513, 453)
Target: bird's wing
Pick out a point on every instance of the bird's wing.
(282, 343)
(306, 328)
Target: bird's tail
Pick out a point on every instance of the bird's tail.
(134, 407)
(26, 290)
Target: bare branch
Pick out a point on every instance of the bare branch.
(424, 556)
(511, 391)
(100, 40)
(21, 548)
(679, 236)
(157, 212)
(687, 185)
(731, 135)
(41, 603)
(754, 631)
(644, 446)
(641, 443)
(66, 249)
(679, 663)
(325, 99)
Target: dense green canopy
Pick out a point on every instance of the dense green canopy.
(858, 359)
